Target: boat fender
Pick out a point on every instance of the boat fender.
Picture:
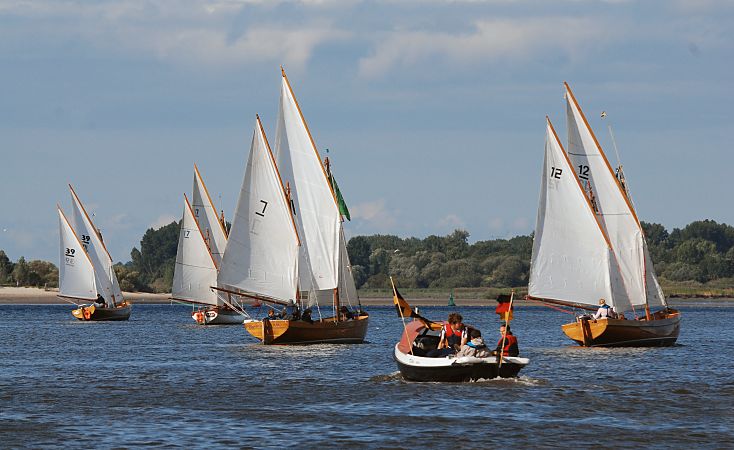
(86, 313)
(199, 317)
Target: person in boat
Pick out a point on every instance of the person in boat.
(306, 316)
(453, 337)
(604, 311)
(510, 348)
(345, 313)
(290, 312)
(271, 315)
(100, 303)
(475, 347)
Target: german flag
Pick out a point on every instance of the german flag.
(401, 306)
(504, 307)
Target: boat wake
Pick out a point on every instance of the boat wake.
(395, 376)
(521, 380)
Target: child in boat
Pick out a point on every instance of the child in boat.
(453, 337)
(510, 348)
(475, 347)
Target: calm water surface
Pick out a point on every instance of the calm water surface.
(161, 380)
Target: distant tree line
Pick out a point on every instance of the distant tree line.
(703, 251)
(36, 273)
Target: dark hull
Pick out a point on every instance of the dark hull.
(327, 331)
(106, 314)
(419, 368)
(459, 373)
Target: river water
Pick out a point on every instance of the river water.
(161, 380)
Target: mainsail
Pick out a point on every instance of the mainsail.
(206, 216)
(195, 272)
(261, 258)
(76, 273)
(616, 213)
(316, 208)
(107, 284)
(572, 260)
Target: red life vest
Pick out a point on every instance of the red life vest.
(452, 337)
(509, 341)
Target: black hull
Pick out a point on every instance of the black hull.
(458, 374)
(108, 314)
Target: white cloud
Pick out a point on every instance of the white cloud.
(489, 41)
(452, 222)
(374, 213)
(162, 220)
(183, 32)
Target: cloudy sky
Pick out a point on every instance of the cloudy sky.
(433, 111)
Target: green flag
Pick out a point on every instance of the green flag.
(343, 210)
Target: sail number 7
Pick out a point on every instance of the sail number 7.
(556, 173)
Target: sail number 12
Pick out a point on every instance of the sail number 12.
(556, 173)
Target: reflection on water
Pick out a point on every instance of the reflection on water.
(162, 380)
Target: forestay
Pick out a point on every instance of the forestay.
(195, 272)
(261, 257)
(76, 274)
(615, 213)
(316, 208)
(207, 218)
(572, 259)
(107, 284)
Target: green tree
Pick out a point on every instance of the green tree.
(21, 272)
(359, 250)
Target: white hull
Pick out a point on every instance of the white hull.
(218, 317)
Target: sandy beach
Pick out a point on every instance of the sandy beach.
(37, 296)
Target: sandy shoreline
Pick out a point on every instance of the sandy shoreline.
(35, 296)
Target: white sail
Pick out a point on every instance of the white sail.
(347, 288)
(207, 218)
(572, 259)
(107, 284)
(195, 271)
(655, 296)
(315, 206)
(614, 212)
(261, 257)
(76, 274)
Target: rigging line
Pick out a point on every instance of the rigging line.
(552, 306)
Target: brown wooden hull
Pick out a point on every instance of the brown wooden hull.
(327, 331)
(121, 312)
(662, 331)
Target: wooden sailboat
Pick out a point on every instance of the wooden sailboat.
(323, 275)
(86, 271)
(589, 245)
(201, 243)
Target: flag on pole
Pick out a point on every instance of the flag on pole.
(343, 210)
(401, 306)
(504, 307)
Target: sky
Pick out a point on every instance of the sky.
(433, 112)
